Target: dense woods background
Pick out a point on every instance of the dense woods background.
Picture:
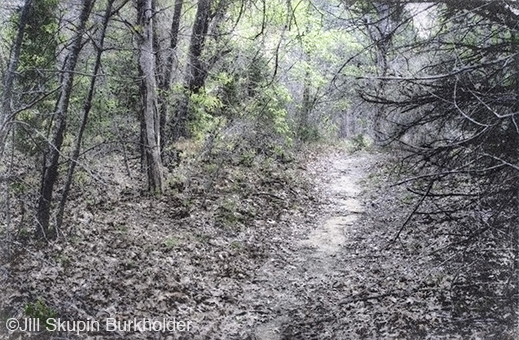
(162, 99)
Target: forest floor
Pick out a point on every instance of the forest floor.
(266, 251)
(318, 274)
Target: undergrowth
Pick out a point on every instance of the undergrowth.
(123, 253)
(466, 244)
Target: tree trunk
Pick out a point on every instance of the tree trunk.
(306, 103)
(51, 158)
(165, 81)
(306, 108)
(6, 116)
(84, 119)
(196, 72)
(151, 123)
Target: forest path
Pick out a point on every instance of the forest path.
(315, 263)
(344, 208)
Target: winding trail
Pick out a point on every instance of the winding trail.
(313, 264)
(345, 206)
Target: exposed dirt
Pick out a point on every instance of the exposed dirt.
(345, 207)
(316, 256)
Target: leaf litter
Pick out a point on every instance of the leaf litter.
(267, 252)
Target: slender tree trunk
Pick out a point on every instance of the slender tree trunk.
(165, 81)
(6, 116)
(175, 29)
(84, 117)
(196, 72)
(159, 64)
(51, 158)
(514, 47)
(306, 108)
(151, 122)
(306, 104)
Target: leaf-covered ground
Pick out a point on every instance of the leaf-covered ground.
(262, 250)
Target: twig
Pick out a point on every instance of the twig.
(267, 194)
(417, 205)
(359, 298)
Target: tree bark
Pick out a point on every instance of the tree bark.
(51, 158)
(306, 107)
(196, 72)
(84, 117)
(151, 122)
(7, 95)
(165, 81)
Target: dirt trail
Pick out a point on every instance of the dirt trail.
(313, 263)
(345, 206)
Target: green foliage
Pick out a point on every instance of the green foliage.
(237, 84)
(115, 107)
(231, 89)
(236, 245)
(37, 57)
(28, 139)
(40, 310)
(360, 142)
(316, 56)
(18, 188)
(81, 178)
(309, 134)
(40, 41)
(171, 242)
(247, 157)
(228, 215)
(257, 75)
(202, 108)
(271, 111)
(242, 93)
